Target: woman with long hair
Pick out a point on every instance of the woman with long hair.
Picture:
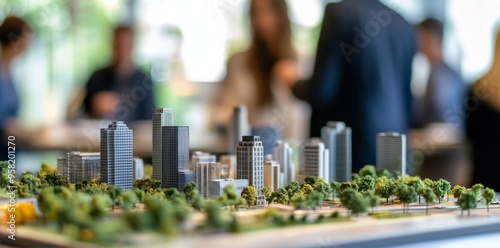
(258, 76)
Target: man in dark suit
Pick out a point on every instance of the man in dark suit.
(362, 74)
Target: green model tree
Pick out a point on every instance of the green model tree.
(476, 189)
(214, 217)
(54, 179)
(267, 193)
(334, 188)
(190, 190)
(416, 183)
(281, 196)
(45, 168)
(358, 204)
(384, 173)
(385, 187)
(114, 194)
(129, 198)
(457, 191)
(406, 195)
(346, 196)
(372, 199)
(198, 203)
(148, 185)
(429, 197)
(4, 174)
(366, 183)
(306, 189)
(300, 202)
(441, 187)
(229, 196)
(310, 180)
(467, 201)
(100, 206)
(322, 187)
(348, 185)
(249, 194)
(488, 196)
(292, 190)
(368, 170)
(315, 199)
(31, 182)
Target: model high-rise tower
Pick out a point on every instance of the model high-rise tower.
(205, 172)
(314, 159)
(162, 117)
(116, 155)
(201, 157)
(283, 154)
(239, 126)
(337, 139)
(79, 166)
(391, 152)
(272, 174)
(250, 161)
(175, 157)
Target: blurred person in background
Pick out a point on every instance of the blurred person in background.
(258, 77)
(120, 91)
(362, 74)
(15, 35)
(445, 88)
(483, 122)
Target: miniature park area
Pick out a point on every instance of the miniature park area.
(113, 203)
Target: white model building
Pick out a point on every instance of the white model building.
(216, 187)
(79, 166)
(391, 152)
(272, 174)
(283, 154)
(314, 159)
(201, 157)
(116, 155)
(162, 117)
(337, 139)
(250, 161)
(138, 172)
(230, 161)
(205, 172)
(239, 127)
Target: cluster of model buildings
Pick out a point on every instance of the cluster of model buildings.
(251, 161)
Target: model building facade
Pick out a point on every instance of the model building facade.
(205, 172)
(283, 154)
(272, 174)
(391, 152)
(162, 117)
(337, 139)
(216, 187)
(230, 161)
(314, 159)
(79, 166)
(201, 157)
(175, 157)
(138, 172)
(250, 161)
(239, 127)
(116, 155)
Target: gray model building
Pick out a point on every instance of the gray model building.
(283, 154)
(216, 187)
(79, 166)
(201, 157)
(391, 152)
(239, 127)
(175, 157)
(314, 159)
(162, 117)
(138, 172)
(272, 174)
(204, 172)
(337, 139)
(230, 161)
(116, 155)
(250, 161)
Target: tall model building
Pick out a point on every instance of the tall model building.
(201, 157)
(162, 117)
(230, 160)
(204, 172)
(391, 152)
(272, 174)
(314, 159)
(175, 157)
(138, 168)
(337, 139)
(239, 126)
(116, 155)
(250, 161)
(283, 154)
(79, 166)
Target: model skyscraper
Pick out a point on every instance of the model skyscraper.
(138, 168)
(314, 159)
(201, 157)
(337, 139)
(116, 155)
(391, 152)
(161, 118)
(239, 127)
(204, 172)
(79, 166)
(175, 157)
(250, 161)
(272, 174)
(283, 154)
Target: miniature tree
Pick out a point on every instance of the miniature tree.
(467, 201)
(322, 187)
(366, 183)
(139, 193)
(249, 194)
(357, 204)
(229, 196)
(4, 174)
(45, 168)
(188, 190)
(441, 188)
(385, 188)
(417, 184)
(197, 202)
(54, 179)
(346, 196)
(488, 196)
(368, 170)
(384, 173)
(476, 189)
(406, 195)
(282, 196)
(214, 218)
(267, 193)
(32, 183)
(114, 194)
(315, 199)
(306, 189)
(100, 206)
(334, 188)
(372, 199)
(457, 191)
(292, 190)
(129, 198)
(429, 197)
(310, 180)
(348, 185)
(300, 202)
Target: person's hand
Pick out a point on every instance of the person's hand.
(105, 105)
(286, 72)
